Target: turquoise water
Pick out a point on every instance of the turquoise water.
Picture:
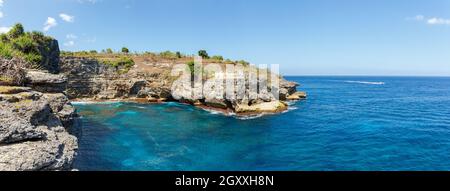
(347, 123)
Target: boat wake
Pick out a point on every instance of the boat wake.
(365, 82)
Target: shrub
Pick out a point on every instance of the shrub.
(218, 58)
(193, 69)
(30, 46)
(203, 54)
(125, 50)
(122, 64)
(126, 62)
(168, 55)
(39, 37)
(191, 65)
(66, 53)
(228, 61)
(6, 51)
(178, 54)
(109, 51)
(32, 58)
(24, 44)
(16, 31)
(3, 38)
(147, 53)
(243, 62)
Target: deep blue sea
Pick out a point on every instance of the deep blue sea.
(347, 123)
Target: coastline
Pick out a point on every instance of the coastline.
(225, 112)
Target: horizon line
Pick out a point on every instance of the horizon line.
(359, 75)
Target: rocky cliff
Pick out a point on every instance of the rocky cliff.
(90, 79)
(150, 81)
(38, 125)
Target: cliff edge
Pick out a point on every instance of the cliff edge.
(149, 80)
(38, 129)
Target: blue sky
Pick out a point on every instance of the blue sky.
(310, 37)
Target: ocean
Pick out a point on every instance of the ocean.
(347, 123)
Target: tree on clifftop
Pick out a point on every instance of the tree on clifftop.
(125, 50)
(16, 31)
(203, 54)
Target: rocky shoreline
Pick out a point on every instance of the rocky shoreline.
(39, 126)
(151, 82)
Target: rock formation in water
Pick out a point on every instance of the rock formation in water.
(150, 81)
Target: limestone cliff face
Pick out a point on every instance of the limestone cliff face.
(151, 81)
(38, 125)
(87, 78)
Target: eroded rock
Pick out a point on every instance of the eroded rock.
(46, 82)
(34, 132)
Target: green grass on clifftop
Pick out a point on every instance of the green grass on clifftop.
(25, 45)
(123, 60)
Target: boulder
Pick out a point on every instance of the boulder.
(216, 103)
(287, 88)
(296, 96)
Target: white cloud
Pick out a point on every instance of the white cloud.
(71, 36)
(438, 21)
(4, 29)
(69, 43)
(51, 22)
(416, 18)
(430, 21)
(67, 18)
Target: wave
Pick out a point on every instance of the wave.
(292, 108)
(249, 117)
(213, 112)
(95, 102)
(366, 82)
